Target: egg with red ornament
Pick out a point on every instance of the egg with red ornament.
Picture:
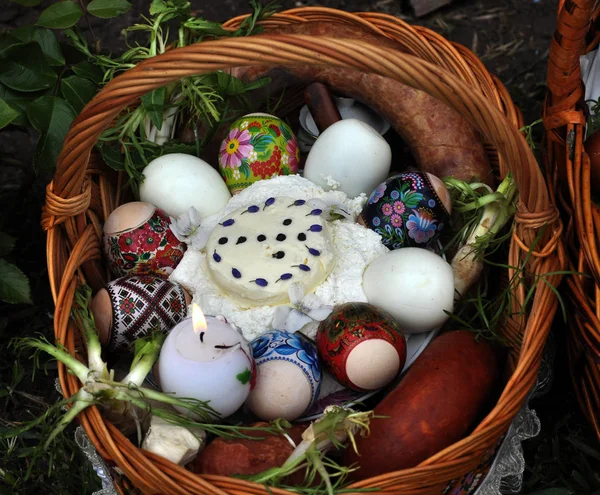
(362, 346)
(138, 240)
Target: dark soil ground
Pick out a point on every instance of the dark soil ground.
(512, 39)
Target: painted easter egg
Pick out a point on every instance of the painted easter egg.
(408, 209)
(288, 375)
(130, 307)
(138, 241)
(362, 346)
(258, 146)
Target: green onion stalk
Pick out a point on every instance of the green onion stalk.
(337, 426)
(485, 212)
(123, 402)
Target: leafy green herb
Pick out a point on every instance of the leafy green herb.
(528, 130)
(189, 102)
(122, 401)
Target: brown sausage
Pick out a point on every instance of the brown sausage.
(442, 142)
(229, 457)
(321, 105)
(433, 406)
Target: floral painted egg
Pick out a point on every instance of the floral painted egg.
(288, 375)
(258, 146)
(138, 240)
(130, 307)
(408, 209)
(362, 346)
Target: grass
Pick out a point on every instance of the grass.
(24, 395)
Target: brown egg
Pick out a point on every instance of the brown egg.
(592, 148)
(141, 303)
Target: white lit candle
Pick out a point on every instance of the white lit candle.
(208, 359)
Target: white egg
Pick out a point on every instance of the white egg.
(414, 285)
(281, 391)
(176, 181)
(351, 153)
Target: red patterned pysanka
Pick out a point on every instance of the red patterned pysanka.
(151, 248)
(349, 325)
(141, 304)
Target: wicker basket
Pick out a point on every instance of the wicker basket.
(84, 192)
(565, 120)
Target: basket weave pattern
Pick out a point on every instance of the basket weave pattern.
(84, 192)
(565, 121)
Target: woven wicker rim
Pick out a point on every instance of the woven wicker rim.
(565, 125)
(74, 226)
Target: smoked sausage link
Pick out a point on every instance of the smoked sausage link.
(435, 404)
(442, 142)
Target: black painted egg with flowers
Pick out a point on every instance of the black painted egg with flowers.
(408, 209)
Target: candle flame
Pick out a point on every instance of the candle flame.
(198, 320)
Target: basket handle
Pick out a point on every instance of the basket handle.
(564, 71)
(291, 50)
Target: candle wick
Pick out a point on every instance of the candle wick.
(223, 346)
(202, 337)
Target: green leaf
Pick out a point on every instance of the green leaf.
(24, 68)
(7, 114)
(78, 91)
(230, 85)
(245, 169)
(106, 9)
(45, 38)
(7, 243)
(18, 102)
(89, 71)
(153, 103)
(244, 377)
(157, 7)
(177, 147)
(113, 157)
(52, 117)
(60, 15)
(27, 3)
(6, 41)
(14, 286)
(285, 130)
(261, 142)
